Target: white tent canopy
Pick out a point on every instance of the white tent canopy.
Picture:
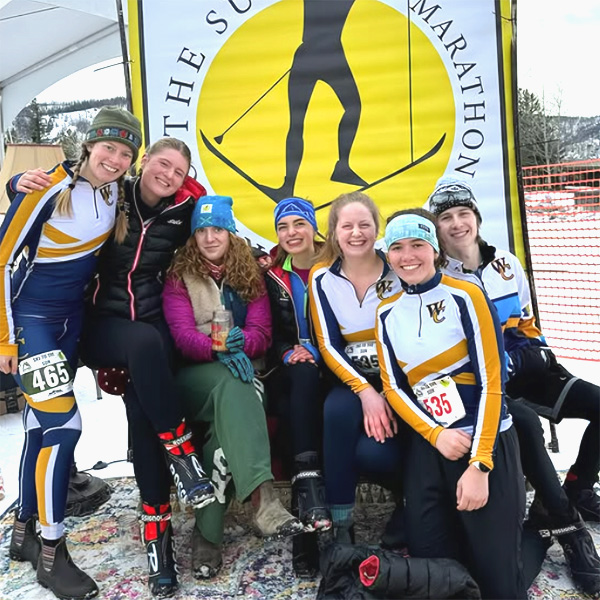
(44, 41)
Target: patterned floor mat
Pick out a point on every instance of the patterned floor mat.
(253, 568)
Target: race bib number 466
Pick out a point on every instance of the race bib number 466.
(45, 376)
(440, 398)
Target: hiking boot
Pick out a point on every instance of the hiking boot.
(158, 537)
(580, 554)
(25, 543)
(57, 572)
(308, 501)
(193, 486)
(271, 519)
(586, 501)
(86, 493)
(207, 557)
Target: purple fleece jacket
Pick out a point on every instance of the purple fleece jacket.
(197, 346)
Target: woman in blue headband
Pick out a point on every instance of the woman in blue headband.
(440, 346)
(296, 388)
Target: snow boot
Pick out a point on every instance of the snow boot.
(207, 557)
(308, 494)
(580, 554)
(586, 501)
(25, 543)
(271, 518)
(86, 493)
(57, 572)
(193, 486)
(158, 537)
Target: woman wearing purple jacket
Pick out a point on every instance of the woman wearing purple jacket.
(216, 269)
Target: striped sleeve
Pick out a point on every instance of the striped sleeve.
(396, 388)
(21, 227)
(527, 325)
(484, 342)
(329, 337)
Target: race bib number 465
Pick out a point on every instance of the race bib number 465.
(440, 398)
(45, 376)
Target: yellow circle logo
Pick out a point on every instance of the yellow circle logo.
(315, 99)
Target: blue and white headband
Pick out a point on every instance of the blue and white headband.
(411, 226)
(295, 207)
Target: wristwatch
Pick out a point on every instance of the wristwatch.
(479, 465)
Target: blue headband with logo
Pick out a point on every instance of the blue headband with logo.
(296, 207)
(411, 226)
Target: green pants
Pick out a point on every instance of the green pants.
(235, 454)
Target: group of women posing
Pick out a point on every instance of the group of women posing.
(408, 358)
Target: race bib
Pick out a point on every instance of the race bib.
(45, 376)
(364, 357)
(440, 398)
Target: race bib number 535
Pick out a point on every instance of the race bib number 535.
(440, 398)
(45, 376)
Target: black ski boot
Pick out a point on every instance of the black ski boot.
(57, 572)
(25, 543)
(86, 493)
(308, 494)
(193, 486)
(580, 554)
(158, 537)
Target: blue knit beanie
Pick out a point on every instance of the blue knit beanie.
(297, 207)
(214, 211)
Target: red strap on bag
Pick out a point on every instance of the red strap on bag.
(368, 570)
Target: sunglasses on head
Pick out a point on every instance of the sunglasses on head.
(451, 193)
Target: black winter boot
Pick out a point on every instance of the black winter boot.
(86, 493)
(580, 554)
(193, 486)
(308, 494)
(57, 572)
(25, 543)
(158, 537)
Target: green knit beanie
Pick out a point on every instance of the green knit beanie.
(118, 125)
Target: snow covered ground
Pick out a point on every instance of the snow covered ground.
(104, 436)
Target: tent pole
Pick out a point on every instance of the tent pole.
(125, 54)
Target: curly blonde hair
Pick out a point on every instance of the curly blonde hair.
(242, 272)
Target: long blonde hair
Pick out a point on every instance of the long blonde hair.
(63, 205)
(242, 272)
(331, 249)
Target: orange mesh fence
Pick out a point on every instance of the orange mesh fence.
(562, 204)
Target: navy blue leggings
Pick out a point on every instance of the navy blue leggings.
(347, 450)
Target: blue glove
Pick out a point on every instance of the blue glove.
(235, 340)
(239, 365)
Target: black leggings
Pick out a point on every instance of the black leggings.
(537, 465)
(145, 350)
(583, 402)
(296, 397)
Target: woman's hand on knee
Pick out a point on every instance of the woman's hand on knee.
(8, 364)
(453, 443)
(472, 490)
(378, 418)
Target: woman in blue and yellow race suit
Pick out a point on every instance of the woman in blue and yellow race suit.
(49, 242)
(441, 356)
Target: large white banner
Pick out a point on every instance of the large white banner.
(315, 98)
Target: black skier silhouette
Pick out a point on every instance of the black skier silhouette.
(321, 57)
